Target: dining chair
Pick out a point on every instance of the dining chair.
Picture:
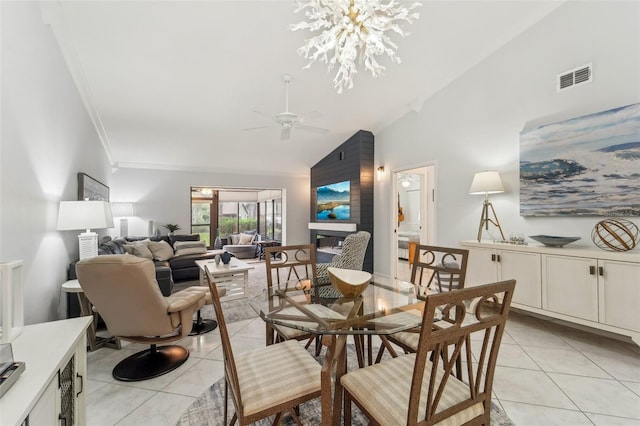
(423, 389)
(435, 269)
(286, 265)
(266, 381)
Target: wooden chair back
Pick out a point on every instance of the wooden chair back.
(286, 262)
(445, 339)
(439, 268)
(230, 370)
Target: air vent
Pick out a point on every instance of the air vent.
(574, 77)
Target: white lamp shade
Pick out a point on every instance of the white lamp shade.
(74, 215)
(122, 210)
(487, 182)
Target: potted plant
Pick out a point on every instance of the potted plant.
(172, 227)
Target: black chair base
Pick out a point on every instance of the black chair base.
(203, 326)
(150, 363)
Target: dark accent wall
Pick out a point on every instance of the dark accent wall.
(353, 161)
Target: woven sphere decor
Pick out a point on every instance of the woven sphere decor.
(615, 234)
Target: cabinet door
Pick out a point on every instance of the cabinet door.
(80, 411)
(481, 267)
(46, 410)
(525, 269)
(570, 286)
(619, 288)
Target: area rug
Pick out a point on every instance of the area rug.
(208, 409)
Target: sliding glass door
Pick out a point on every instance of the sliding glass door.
(231, 211)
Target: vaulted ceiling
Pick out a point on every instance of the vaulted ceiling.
(172, 84)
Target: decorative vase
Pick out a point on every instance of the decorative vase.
(226, 258)
(217, 243)
(217, 258)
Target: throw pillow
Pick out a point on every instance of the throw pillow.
(182, 237)
(189, 247)
(161, 250)
(234, 239)
(140, 249)
(245, 239)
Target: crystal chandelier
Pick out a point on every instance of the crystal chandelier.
(350, 31)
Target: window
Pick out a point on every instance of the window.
(231, 211)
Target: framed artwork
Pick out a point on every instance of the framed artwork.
(91, 189)
(585, 166)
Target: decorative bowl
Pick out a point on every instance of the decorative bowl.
(553, 241)
(348, 282)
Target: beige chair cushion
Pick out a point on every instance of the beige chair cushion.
(383, 389)
(407, 338)
(263, 378)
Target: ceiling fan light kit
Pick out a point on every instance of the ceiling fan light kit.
(352, 30)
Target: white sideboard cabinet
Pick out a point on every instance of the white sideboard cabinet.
(52, 389)
(583, 285)
(491, 264)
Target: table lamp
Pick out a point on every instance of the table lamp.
(74, 215)
(487, 182)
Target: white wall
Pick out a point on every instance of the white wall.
(474, 123)
(165, 197)
(46, 139)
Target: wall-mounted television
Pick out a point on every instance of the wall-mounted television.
(333, 202)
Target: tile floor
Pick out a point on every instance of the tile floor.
(548, 374)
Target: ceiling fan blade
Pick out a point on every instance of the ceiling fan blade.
(285, 133)
(313, 129)
(266, 115)
(261, 127)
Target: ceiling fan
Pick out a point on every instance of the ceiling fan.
(287, 119)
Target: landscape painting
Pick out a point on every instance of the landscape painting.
(585, 166)
(333, 201)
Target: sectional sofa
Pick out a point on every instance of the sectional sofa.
(174, 256)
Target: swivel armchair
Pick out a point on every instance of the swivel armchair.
(123, 289)
(354, 249)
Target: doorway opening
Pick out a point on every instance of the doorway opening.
(414, 192)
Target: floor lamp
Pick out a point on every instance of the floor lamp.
(487, 182)
(123, 211)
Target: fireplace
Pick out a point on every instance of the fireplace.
(328, 244)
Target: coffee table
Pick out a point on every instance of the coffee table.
(234, 276)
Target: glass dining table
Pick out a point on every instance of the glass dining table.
(383, 308)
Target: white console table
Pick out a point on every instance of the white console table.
(582, 285)
(46, 349)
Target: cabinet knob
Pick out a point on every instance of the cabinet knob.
(600, 270)
(592, 270)
(493, 257)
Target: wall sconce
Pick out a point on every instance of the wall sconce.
(485, 183)
(380, 173)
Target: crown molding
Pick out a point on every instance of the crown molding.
(53, 15)
(192, 169)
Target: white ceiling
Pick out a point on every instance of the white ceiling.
(171, 84)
